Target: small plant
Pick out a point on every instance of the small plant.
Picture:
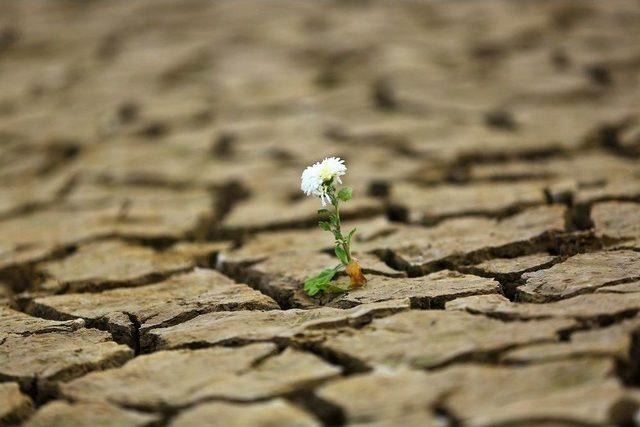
(321, 180)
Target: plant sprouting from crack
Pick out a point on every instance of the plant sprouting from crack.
(321, 180)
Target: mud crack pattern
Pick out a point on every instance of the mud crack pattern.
(153, 238)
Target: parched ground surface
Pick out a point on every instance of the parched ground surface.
(153, 239)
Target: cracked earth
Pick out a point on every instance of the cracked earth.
(154, 241)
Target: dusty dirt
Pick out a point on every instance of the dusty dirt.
(154, 241)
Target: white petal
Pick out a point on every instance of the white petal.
(315, 175)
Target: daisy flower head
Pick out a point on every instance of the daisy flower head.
(317, 178)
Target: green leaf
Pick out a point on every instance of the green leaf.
(341, 254)
(323, 211)
(311, 289)
(318, 283)
(350, 236)
(333, 218)
(345, 194)
(322, 282)
(311, 286)
(324, 225)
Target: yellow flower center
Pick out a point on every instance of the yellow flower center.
(326, 173)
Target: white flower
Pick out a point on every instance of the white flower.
(316, 176)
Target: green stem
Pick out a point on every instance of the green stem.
(335, 202)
